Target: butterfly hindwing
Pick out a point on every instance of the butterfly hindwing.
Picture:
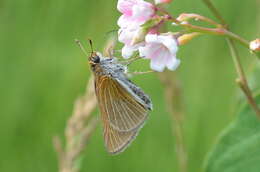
(116, 141)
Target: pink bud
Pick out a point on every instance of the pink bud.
(161, 49)
(162, 1)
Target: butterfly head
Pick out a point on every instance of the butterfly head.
(94, 58)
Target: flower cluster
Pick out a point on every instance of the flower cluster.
(160, 48)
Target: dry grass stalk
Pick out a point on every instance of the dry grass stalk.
(174, 103)
(79, 128)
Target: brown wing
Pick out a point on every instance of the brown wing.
(122, 115)
(123, 111)
(116, 141)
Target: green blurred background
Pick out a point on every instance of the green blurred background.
(42, 72)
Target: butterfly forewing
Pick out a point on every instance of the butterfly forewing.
(123, 111)
(121, 114)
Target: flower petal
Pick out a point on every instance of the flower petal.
(125, 6)
(161, 49)
(173, 63)
(170, 42)
(127, 51)
(136, 10)
(156, 65)
(143, 11)
(122, 21)
(143, 51)
(151, 38)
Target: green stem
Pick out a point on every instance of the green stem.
(222, 31)
(212, 31)
(214, 10)
(237, 38)
(242, 81)
(215, 31)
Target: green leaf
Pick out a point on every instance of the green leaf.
(238, 149)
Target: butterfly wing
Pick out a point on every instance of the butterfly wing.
(123, 111)
(122, 115)
(116, 141)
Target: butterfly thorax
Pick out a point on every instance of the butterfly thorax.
(113, 69)
(107, 66)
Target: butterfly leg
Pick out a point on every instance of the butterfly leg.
(140, 73)
(130, 61)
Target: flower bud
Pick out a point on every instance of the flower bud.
(255, 45)
(162, 1)
(184, 39)
(184, 17)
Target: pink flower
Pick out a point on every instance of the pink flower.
(161, 49)
(126, 36)
(128, 50)
(162, 1)
(135, 12)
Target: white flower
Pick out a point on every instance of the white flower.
(161, 49)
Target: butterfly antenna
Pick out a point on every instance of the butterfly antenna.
(91, 45)
(82, 48)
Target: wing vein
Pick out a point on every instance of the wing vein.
(122, 106)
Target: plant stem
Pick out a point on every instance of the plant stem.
(222, 31)
(219, 30)
(175, 107)
(215, 12)
(189, 16)
(241, 80)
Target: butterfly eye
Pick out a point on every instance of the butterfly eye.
(96, 59)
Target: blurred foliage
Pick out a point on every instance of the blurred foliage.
(42, 72)
(238, 147)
